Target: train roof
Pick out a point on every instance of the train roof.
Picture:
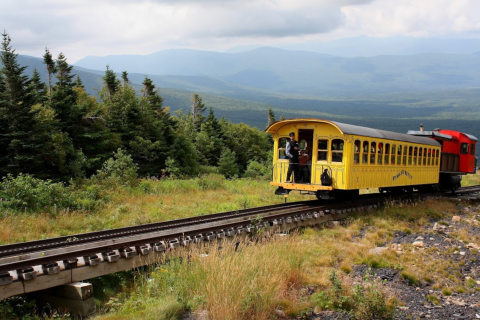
(358, 130)
(453, 135)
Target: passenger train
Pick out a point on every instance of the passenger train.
(355, 158)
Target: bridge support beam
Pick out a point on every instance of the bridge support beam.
(75, 298)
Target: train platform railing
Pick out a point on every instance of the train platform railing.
(280, 170)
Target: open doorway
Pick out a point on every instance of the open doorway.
(305, 141)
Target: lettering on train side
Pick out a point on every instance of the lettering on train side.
(402, 173)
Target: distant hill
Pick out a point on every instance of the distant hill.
(364, 46)
(301, 72)
(454, 107)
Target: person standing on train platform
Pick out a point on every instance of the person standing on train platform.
(304, 174)
(291, 151)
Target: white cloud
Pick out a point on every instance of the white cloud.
(101, 27)
(427, 18)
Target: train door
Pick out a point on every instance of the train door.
(305, 140)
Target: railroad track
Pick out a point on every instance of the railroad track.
(37, 265)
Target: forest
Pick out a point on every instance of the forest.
(57, 131)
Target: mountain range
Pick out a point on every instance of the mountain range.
(298, 72)
(392, 92)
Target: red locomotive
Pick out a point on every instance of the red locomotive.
(458, 155)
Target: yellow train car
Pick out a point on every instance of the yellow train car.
(353, 158)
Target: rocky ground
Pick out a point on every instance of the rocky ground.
(424, 300)
(454, 241)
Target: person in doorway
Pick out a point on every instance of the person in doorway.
(304, 167)
(291, 151)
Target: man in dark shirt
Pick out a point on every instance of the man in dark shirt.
(291, 151)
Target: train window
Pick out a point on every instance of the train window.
(437, 158)
(399, 155)
(472, 149)
(425, 156)
(356, 152)
(282, 143)
(337, 150)
(373, 151)
(420, 156)
(429, 162)
(322, 150)
(410, 155)
(464, 148)
(394, 147)
(387, 153)
(405, 149)
(365, 152)
(380, 153)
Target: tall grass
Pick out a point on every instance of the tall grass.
(244, 282)
(149, 200)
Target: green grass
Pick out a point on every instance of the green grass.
(260, 277)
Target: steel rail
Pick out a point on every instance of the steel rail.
(58, 251)
(40, 245)
(140, 240)
(76, 250)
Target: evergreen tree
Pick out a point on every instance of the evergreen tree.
(125, 79)
(39, 88)
(198, 108)
(63, 96)
(51, 69)
(271, 117)
(227, 164)
(209, 141)
(153, 143)
(93, 138)
(21, 148)
(111, 82)
(151, 94)
(271, 120)
(78, 83)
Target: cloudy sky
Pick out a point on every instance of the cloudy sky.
(79, 28)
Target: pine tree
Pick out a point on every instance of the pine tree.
(78, 83)
(271, 117)
(151, 94)
(153, 144)
(209, 141)
(198, 108)
(271, 120)
(21, 148)
(39, 88)
(63, 96)
(125, 79)
(51, 69)
(111, 82)
(227, 164)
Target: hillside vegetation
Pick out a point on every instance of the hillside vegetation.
(56, 130)
(442, 105)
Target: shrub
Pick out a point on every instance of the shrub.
(119, 170)
(227, 164)
(28, 193)
(18, 307)
(337, 297)
(366, 301)
(258, 170)
(369, 300)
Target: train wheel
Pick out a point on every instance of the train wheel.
(347, 195)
